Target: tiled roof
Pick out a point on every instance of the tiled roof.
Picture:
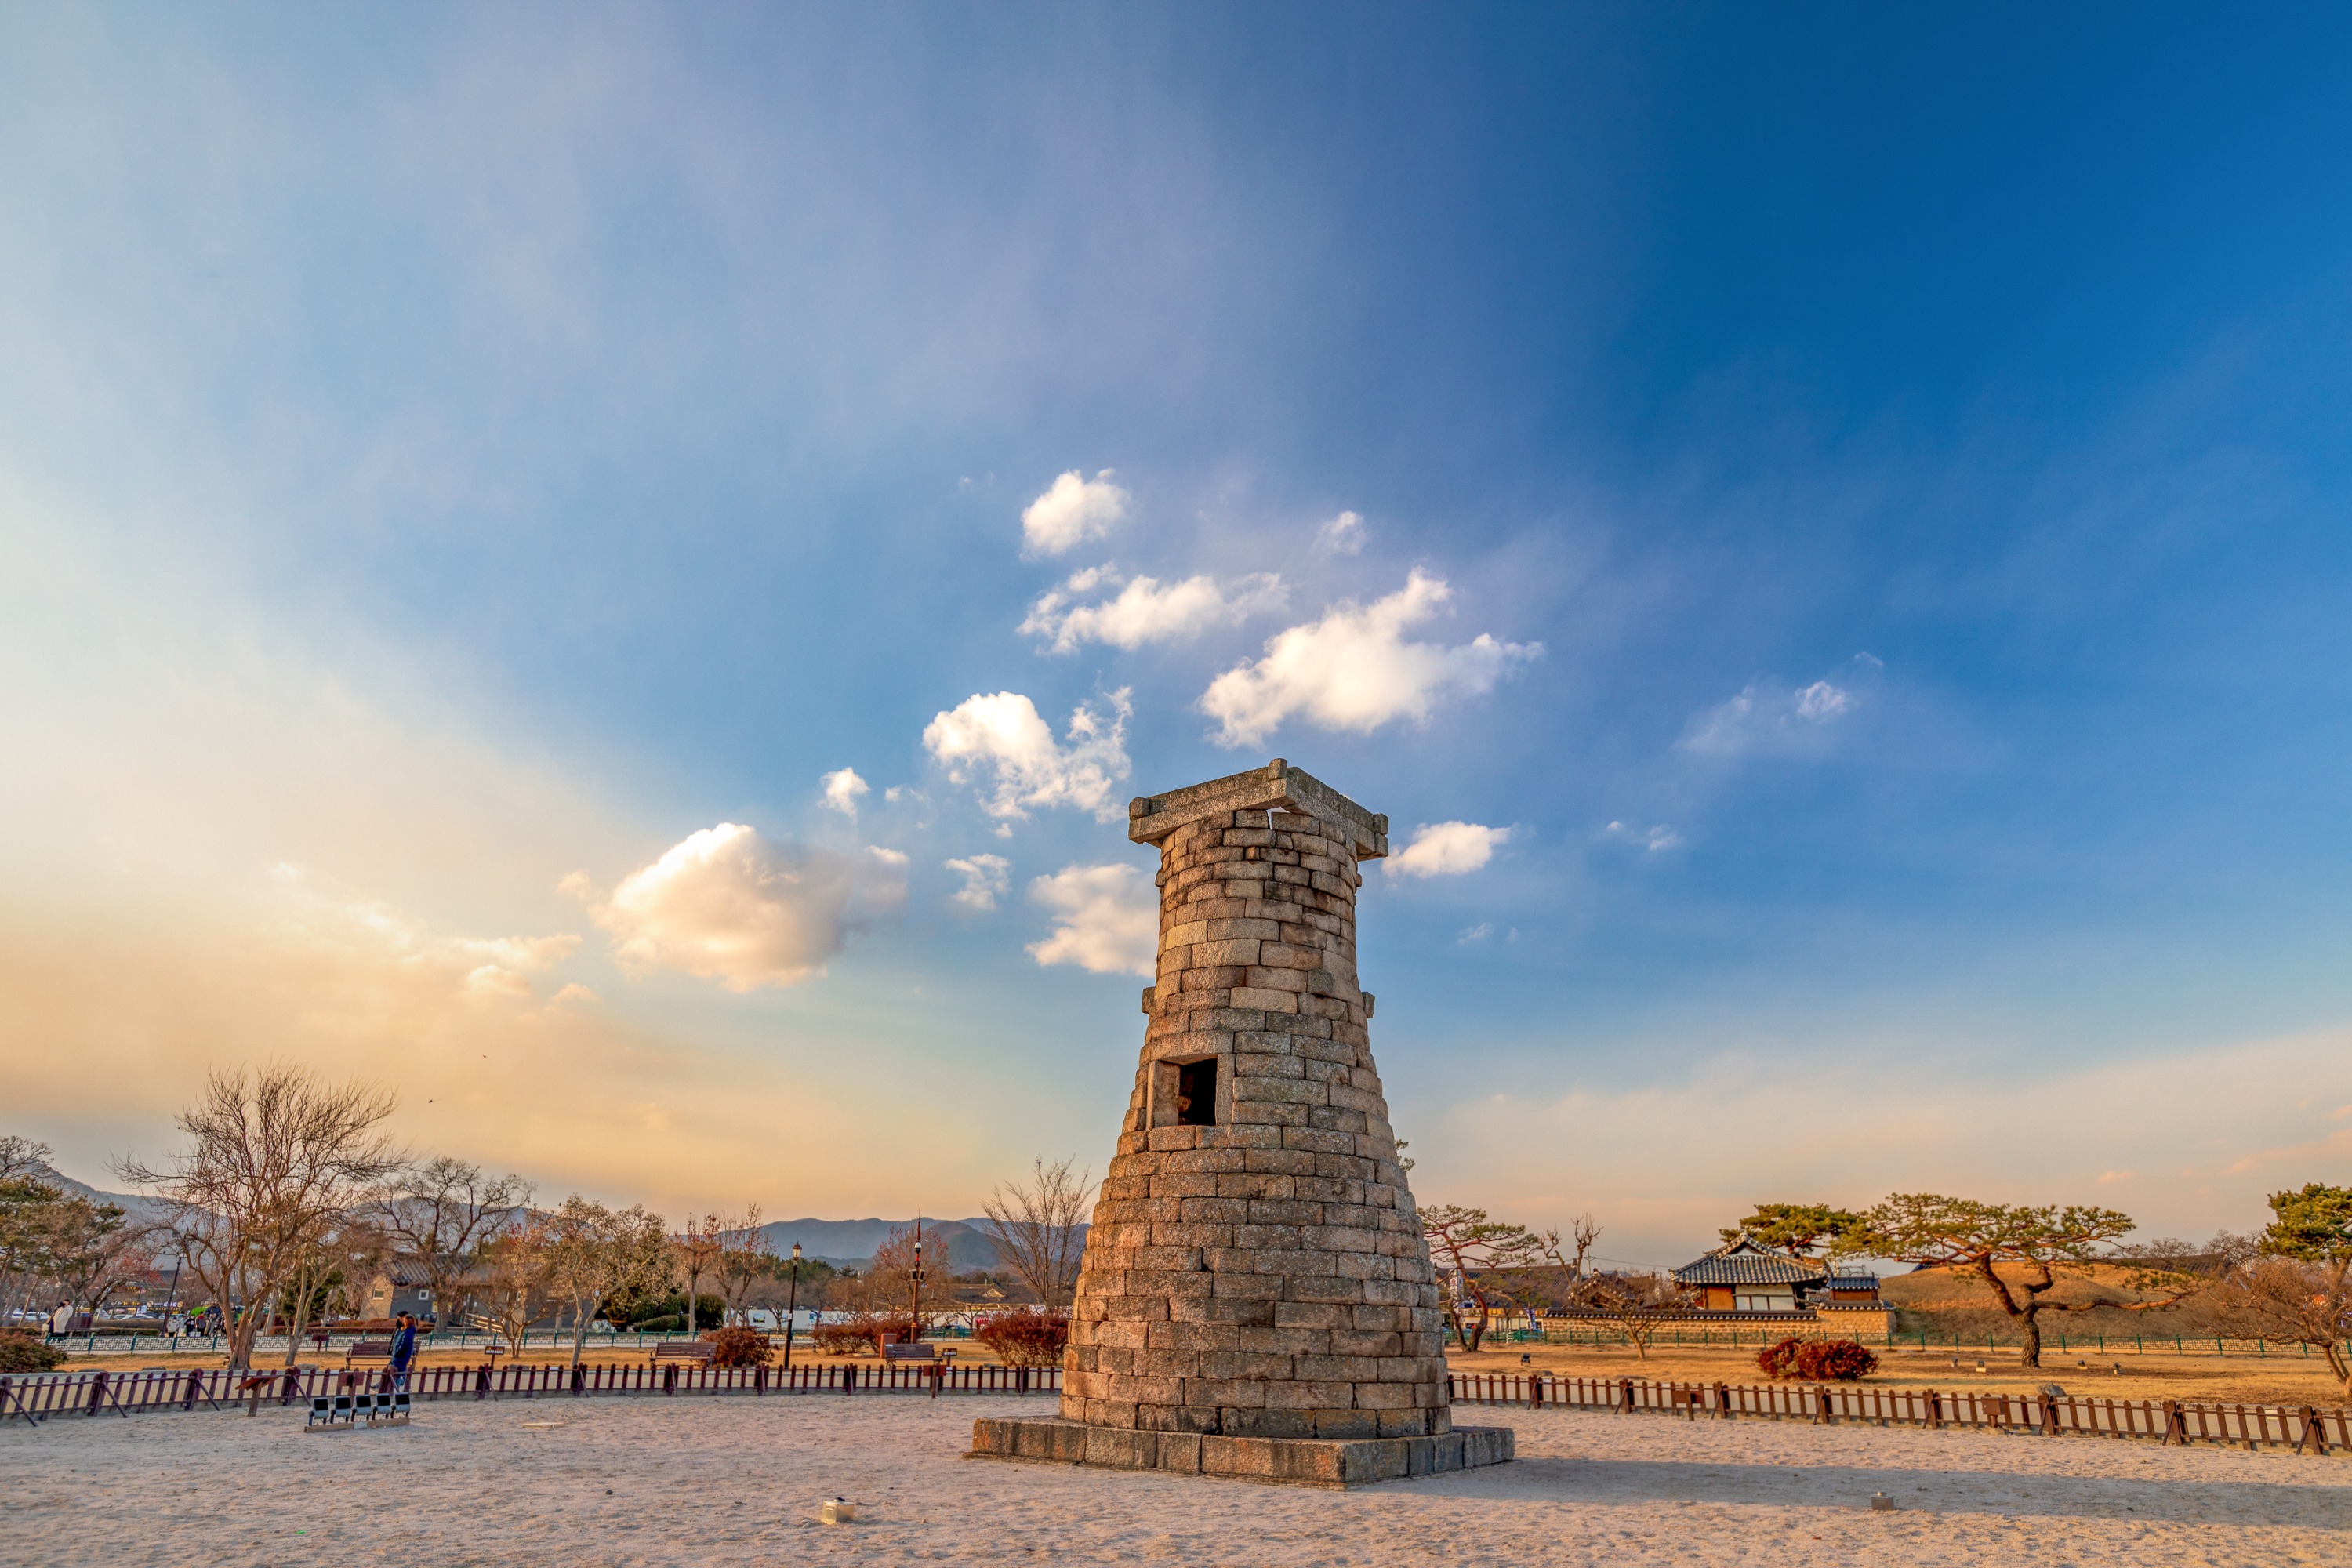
(1744, 1263)
(1851, 1282)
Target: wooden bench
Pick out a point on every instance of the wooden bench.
(368, 1350)
(684, 1350)
(893, 1351)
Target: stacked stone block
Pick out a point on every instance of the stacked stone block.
(1255, 1268)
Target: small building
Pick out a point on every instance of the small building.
(1742, 1277)
(401, 1286)
(1849, 1291)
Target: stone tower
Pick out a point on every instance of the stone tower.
(1255, 1297)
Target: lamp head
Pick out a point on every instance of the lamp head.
(796, 1252)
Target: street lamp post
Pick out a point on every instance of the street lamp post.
(915, 1289)
(792, 1312)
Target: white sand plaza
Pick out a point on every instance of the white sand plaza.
(738, 1480)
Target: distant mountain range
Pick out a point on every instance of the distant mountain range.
(959, 1246)
(143, 1211)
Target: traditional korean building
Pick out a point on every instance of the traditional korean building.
(1744, 1278)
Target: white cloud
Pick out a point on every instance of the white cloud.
(322, 922)
(1343, 535)
(842, 788)
(1073, 509)
(1106, 919)
(1146, 610)
(728, 905)
(1478, 932)
(1651, 840)
(1001, 737)
(984, 877)
(1446, 849)
(1353, 669)
(1764, 719)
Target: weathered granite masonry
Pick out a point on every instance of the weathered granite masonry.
(1255, 1299)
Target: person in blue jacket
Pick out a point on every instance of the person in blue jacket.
(404, 1350)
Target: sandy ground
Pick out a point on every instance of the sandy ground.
(705, 1480)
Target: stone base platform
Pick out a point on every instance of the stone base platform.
(1332, 1462)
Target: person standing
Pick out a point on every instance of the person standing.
(404, 1350)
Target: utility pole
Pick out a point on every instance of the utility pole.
(793, 1311)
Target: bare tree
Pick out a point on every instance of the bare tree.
(2300, 1288)
(354, 1247)
(28, 1214)
(21, 1156)
(1637, 1305)
(1038, 1227)
(92, 1253)
(1481, 1252)
(439, 1214)
(744, 1259)
(695, 1254)
(276, 1157)
(513, 1276)
(2294, 1301)
(594, 1255)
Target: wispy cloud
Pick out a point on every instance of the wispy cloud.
(1106, 919)
(1146, 610)
(1000, 738)
(1073, 509)
(1653, 839)
(1343, 535)
(1356, 670)
(1765, 720)
(1446, 849)
(985, 877)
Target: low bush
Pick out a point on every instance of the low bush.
(842, 1339)
(1025, 1339)
(738, 1347)
(669, 1325)
(20, 1352)
(1816, 1361)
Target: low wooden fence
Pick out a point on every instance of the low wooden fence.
(2303, 1428)
(36, 1395)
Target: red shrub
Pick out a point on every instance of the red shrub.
(738, 1347)
(1025, 1339)
(1817, 1361)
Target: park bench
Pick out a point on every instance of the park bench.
(368, 1350)
(684, 1350)
(892, 1349)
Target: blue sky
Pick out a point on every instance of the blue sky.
(449, 460)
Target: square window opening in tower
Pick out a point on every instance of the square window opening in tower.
(1196, 1093)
